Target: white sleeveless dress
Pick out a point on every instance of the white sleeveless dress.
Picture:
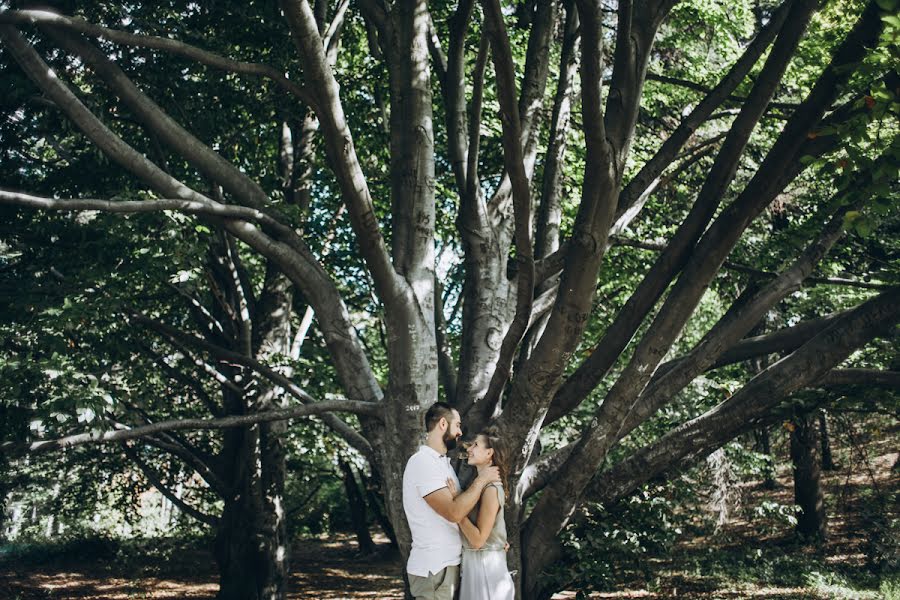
(485, 575)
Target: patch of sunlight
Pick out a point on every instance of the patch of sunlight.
(834, 586)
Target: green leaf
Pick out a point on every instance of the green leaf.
(850, 218)
(887, 5)
(892, 20)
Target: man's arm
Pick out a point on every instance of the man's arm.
(456, 509)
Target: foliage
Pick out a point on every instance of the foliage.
(73, 358)
(615, 544)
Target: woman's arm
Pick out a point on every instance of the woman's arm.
(488, 508)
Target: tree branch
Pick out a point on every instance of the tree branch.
(446, 369)
(189, 455)
(549, 209)
(192, 207)
(100, 437)
(513, 159)
(453, 87)
(737, 322)
(805, 367)
(41, 17)
(156, 482)
(677, 253)
(691, 85)
(339, 145)
(350, 435)
(714, 98)
(295, 260)
(598, 437)
(189, 382)
(745, 409)
(863, 377)
(636, 28)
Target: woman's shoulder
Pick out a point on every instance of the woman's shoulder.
(496, 486)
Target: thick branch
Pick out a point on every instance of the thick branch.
(453, 86)
(738, 321)
(803, 368)
(513, 159)
(101, 437)
(635, 31)
(549, 209)
(862, 377)
(340, 148)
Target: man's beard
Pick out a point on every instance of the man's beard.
(449, 441)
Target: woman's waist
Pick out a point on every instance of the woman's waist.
(488, 548)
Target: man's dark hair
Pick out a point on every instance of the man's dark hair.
(435, 413)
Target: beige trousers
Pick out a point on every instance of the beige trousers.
(437, 586)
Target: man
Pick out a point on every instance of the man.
(431, 509)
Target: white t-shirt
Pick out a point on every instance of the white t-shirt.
(435, 540)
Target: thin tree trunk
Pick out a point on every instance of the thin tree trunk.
(825, 439)
(808, 495)
(372, 487)
(764, 446)
(357, 510)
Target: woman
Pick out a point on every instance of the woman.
(484, 572)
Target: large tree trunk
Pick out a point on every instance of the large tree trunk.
(808, 495)
(252, 545)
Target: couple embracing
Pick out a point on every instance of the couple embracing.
(450, 527)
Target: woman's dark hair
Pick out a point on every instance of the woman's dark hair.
(501, 455)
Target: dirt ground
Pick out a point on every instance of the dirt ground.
(331, 569)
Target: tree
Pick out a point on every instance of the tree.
(538, 203)
(808, 494)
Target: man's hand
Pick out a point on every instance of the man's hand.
(451, 485)
(488, 475)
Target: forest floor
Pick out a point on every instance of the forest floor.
(750, 557)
